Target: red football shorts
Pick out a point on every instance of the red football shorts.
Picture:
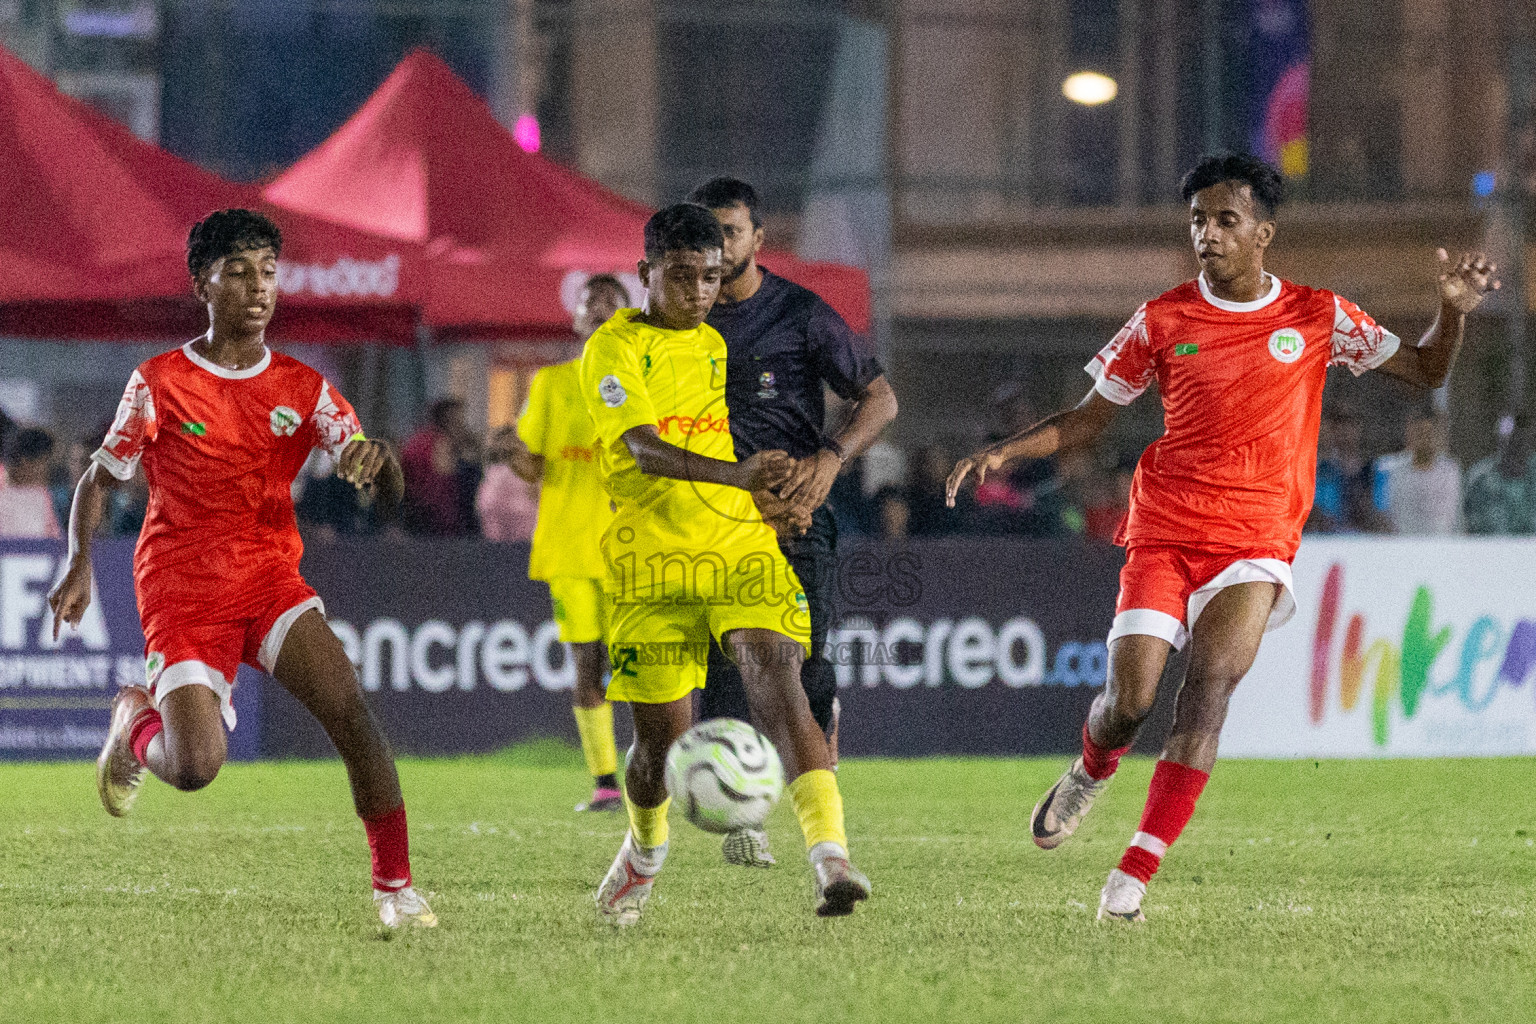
(1165, 587)
(205, 645)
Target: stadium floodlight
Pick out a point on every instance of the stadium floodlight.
(1090, 88)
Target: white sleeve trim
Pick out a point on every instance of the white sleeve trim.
(1112, 388)
(123, 471)
(1390, 343)
(1385, 349)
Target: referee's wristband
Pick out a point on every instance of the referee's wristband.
(831, 445)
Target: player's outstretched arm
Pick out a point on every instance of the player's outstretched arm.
(368, 463)
(1462, 289)
(71, 596)
(1073, 428)
(812, 480)
(760, 471)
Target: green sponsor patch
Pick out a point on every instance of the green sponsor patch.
(195, 429)
(1185, 348)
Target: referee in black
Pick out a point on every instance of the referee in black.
(783, 346)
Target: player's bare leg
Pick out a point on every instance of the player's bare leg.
(313, 667)
(594, 714)
(770, 671)
(1223, 645)
(1136, 664)
(627, 885)
(182, 743)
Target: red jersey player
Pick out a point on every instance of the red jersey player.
(221, 426)
(1218, 501)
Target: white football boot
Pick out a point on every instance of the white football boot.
(118, 772)
(403, 907)
(1121, 898)
(627, 886)
(748, 848)
(1061, 810)
(839, 885)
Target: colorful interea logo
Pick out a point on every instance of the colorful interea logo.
(1401, 672)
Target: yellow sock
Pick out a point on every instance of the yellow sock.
(819, 806)
(596, 728)
(649, 824)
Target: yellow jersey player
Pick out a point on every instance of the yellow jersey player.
(555, 447)
(690, 558)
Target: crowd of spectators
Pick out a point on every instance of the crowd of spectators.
(453, 490)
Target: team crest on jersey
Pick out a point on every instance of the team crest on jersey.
(285, 422)
(1287, 344)
(612, 392)
(765, 385)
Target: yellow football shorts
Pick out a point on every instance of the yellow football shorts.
(581, 608)
(660, 632)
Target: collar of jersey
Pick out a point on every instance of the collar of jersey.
(224, 371)
(1241, 307)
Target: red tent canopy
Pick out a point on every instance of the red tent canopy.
(424, 161)
(95, 228)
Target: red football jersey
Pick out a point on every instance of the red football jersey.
(1242, 389)
(220, 450)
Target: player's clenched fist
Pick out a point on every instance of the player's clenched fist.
(765, 471)
(71, 596)
(1463, 286)
(368, 463)
(982, 463)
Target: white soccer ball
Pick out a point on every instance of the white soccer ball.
(725, 774)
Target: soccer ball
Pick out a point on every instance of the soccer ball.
(726, 775)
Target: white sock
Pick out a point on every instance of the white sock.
(647, 859)
(821, 851)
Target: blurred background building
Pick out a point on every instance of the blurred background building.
(1005, 169)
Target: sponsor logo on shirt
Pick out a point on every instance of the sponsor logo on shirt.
(690, 425)
(612, 392)
(153, 666)
(576, 453)
(1287, 344)
(284, 421)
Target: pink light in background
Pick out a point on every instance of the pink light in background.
(526, 132)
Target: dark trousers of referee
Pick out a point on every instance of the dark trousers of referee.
(814, 558)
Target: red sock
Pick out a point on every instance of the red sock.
(388, 840)
(1100, 762)
(144, 728)
(1170, 804)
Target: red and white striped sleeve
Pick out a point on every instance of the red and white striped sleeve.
(1358, 342)
(133, 428)
(1123, 368)
(335, 422)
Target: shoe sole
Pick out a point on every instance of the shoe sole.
(840, 898)
(1134, 918)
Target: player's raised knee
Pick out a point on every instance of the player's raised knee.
(194, 773)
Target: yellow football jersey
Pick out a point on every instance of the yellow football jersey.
(634, 374)
(573, 506)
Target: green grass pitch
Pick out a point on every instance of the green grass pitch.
(1361, 892)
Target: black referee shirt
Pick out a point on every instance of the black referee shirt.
(781, 346)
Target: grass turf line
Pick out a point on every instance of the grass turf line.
(1342, 891)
